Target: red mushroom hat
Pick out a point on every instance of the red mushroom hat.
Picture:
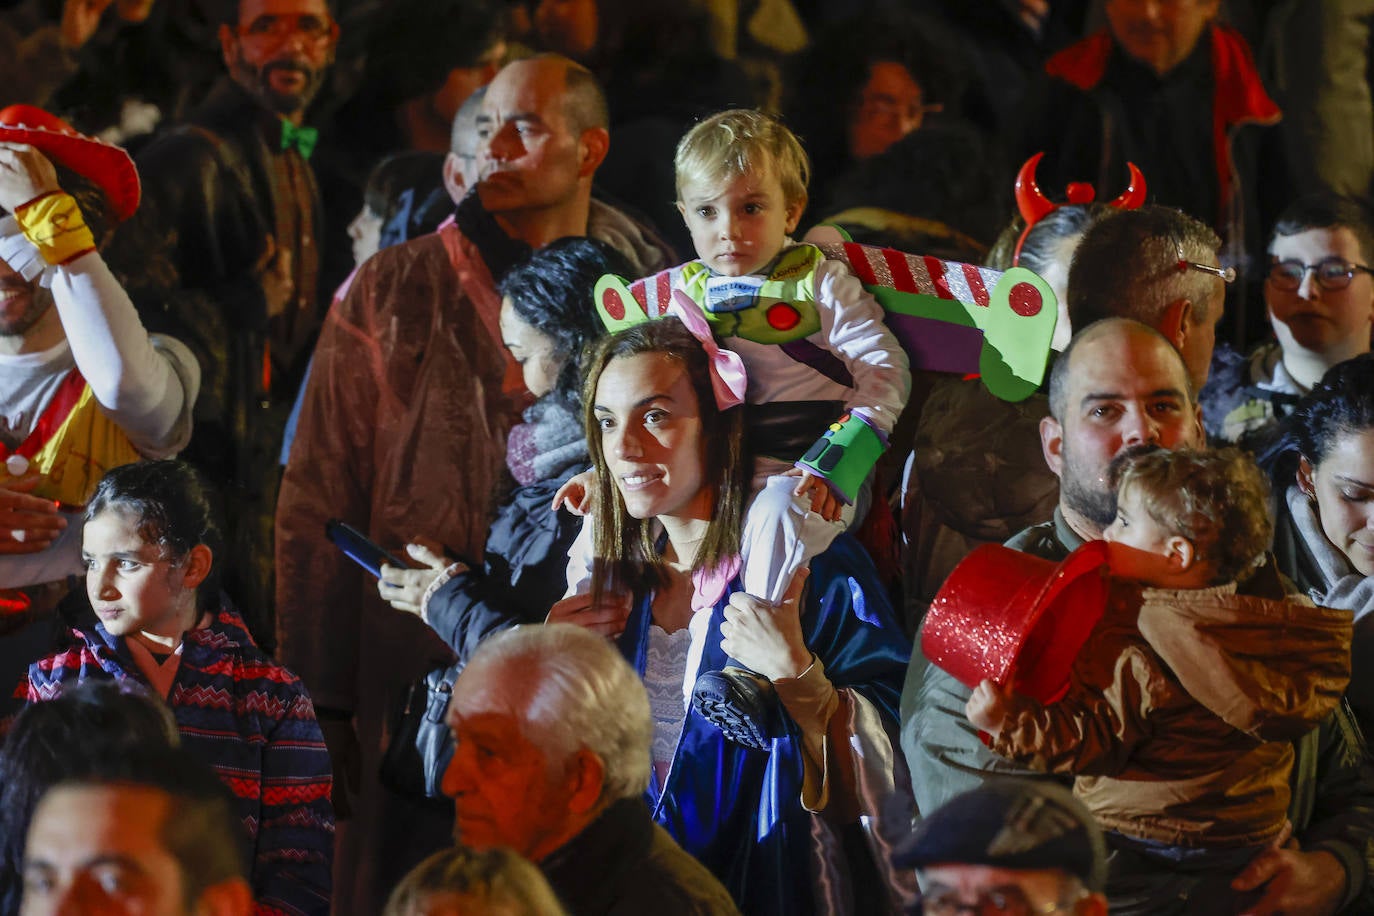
(109, 166)
(1016, 619)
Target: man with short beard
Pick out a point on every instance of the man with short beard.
(226, 256)
(1121, 388)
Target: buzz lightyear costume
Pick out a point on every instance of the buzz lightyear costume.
(826, 334)
(826, 382)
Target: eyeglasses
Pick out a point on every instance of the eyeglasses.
(991, 903)
(1225, 274)
(1330, 274)
(278, 29)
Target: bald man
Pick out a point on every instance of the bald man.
(1121, 387)
(403, 433)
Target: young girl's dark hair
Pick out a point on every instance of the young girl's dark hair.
(552, 293)
(626, 557)
(1340, 404)
(172, 507)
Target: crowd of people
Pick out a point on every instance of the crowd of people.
(593, 318)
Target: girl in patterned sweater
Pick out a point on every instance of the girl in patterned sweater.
(149, 545)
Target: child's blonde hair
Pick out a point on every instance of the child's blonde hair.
(734, 142)
(1218, 499)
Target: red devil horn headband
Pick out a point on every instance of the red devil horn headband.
(1035, 206)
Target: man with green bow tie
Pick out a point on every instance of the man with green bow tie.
(225, 254)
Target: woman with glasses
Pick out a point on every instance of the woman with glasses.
(1320, 297)
(863, 86)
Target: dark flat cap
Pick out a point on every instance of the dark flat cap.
(1020, 824)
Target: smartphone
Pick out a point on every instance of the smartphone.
(358, 548)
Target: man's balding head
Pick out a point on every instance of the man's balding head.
(1119, 387)
(1133, 264)
(1108, 334)
(584, 102)
(543, 134)
(460, 165)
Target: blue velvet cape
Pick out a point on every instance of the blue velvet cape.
(739, 811)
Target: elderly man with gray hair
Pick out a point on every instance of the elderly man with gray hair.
(552, 731)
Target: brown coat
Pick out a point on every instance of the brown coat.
(1182, 709)
(402, 433)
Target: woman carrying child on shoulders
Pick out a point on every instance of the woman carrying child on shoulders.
(667, 513)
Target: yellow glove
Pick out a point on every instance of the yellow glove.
(56, 225)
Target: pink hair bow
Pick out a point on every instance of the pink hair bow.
(728, 378)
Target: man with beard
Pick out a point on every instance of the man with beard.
(83, 388)
(1118, 389)
(225, 253)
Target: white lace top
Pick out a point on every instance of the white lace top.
(664, 668)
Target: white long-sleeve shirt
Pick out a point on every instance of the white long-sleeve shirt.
(146, 384)
(852, 328)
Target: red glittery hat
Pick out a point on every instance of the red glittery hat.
(1016, 619)
(109, 166)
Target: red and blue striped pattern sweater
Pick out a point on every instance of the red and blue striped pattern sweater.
(252, 721)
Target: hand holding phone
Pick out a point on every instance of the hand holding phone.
(358, 548)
